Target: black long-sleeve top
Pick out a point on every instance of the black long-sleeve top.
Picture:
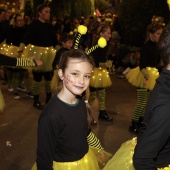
(149, 56)
(15, 35)
(4, 26)
(100, 55)
(10, 61)
(62, 133)
(153, 145)
(40, 34)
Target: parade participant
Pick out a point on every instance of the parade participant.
(63, 129)
(40, 40)
(100, 78)
(152, 151)
(14, 36)
(9, 61)
(66, 44)
(144, 76)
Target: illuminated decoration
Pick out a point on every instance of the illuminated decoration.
(168, 1)
(81, 30)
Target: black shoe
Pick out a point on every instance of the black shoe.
(140, 122)
(37, 104)
(29, 94)
(134, 127)
(104, 116)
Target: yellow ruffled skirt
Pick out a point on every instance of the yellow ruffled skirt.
(10, 50)
(2, 103)
(88, 162)
(122, 160)
(136, 77)
(100, 78)
(46, 54)
(94, 160)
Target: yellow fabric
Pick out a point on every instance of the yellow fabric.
(2, 103)
(100, 78)
(10, 50)
(107, 64)
(88, 162)
(136, 77)
(54, 81)
(22, 47)
(144, 71)
(122, 160)
(46, 54)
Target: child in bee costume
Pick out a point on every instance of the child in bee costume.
(18, 62)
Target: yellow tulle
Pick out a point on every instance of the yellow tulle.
(136, 77)
(122, 160)
(100, 78)
(54, 81)
(46, 54)
(2, 103)
(10, 50)
(88, 162)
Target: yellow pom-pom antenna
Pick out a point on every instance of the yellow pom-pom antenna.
(81, 30)
(101, 43)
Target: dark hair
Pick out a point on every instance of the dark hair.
(71, 54)
(40, 8)
(164, 46)
(89, 114)
(152, 28)
(66, 37)
(101, 29)
(16, 15)
(2, 10)
(74, 54)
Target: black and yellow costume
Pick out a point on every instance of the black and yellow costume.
(40, 40)
(100, 79)
(151, 149)
(64, 141)
(9, 61)
(149, 60)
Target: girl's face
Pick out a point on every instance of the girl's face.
(155, 36)
(76, 77)
(106, 34)
(44, 15)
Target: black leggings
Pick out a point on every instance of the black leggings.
(38, 76)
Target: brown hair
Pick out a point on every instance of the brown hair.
(164, 46)
(152, 28)
(72, 54)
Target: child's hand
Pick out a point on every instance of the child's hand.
(38, 62)
(19, 55)
(145, 80)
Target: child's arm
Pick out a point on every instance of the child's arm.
(10, 61)
(93, 141)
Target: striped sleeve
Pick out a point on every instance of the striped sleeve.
(93, 141)
(25, 62)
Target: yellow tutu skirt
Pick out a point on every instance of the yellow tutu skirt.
(2, 103)
(136, 77)
(54, 82)
(100, 78)
(46, 54)
(88, 162)
(122, 160)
